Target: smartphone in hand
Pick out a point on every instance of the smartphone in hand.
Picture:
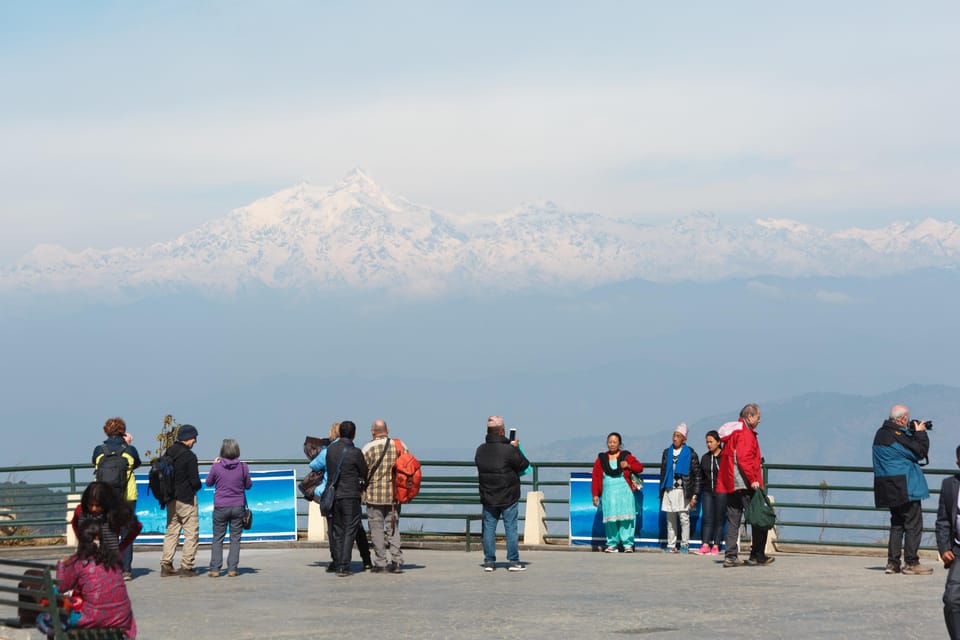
(513, 435)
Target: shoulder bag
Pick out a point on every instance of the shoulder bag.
(330, 492)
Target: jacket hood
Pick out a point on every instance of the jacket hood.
(729, 428)
(230, 463)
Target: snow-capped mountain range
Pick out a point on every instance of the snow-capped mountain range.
(355, 236)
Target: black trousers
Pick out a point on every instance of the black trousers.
(736, 503)
(346, 522)
(906, 528)
(363, 545)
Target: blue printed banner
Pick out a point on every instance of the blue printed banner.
(272, 498)
(586, 522)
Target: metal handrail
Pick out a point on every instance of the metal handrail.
(804, 498)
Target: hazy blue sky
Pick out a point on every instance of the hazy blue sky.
(125, 123)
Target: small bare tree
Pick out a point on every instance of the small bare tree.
(166, 437)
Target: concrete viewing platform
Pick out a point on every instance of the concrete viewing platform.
(565, 593)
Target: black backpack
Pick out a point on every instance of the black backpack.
(160, 480)
(113, 469)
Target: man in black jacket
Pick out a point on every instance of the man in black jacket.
(347, 471)
(948, 544)
(499, 465)
(182, 511)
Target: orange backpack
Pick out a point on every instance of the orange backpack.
(406, 475)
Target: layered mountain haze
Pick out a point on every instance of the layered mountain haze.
(355, 236)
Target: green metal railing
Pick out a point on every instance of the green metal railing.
(816, 504)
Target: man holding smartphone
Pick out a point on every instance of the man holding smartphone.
(499, 465)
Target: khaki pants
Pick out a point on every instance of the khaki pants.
(384, 533)
(185, 516)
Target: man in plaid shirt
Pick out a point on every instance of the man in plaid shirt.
(383, 513)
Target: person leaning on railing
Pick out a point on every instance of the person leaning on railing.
(612, 485)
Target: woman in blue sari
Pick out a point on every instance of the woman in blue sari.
(613, 487)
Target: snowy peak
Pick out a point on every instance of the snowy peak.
(354, 235)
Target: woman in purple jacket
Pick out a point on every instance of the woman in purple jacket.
(230, 477)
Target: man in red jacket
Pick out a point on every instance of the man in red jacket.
(740, 476)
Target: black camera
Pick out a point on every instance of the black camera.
(927, 424)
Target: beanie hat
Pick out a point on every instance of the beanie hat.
(186, 432)
(681, 429)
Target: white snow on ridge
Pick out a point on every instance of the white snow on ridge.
(354, 235)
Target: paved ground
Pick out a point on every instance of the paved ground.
(285, 593)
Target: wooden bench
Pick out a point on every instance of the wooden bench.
(25, 589)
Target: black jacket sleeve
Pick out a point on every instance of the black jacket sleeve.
(696, 480)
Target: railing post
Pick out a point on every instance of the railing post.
(534, 524)
(316, 523)
(73, 499)
(536, 476)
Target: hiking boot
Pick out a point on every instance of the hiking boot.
(343, 573)
(188, 573)
(376, 569)
(213, 574)
(732, 562)
(516, 566)
(892, 567)
(127, 576)
(167, 570)
(394, 567)
(488, 567)
(764, 560)
(916, 570)
(232, 574)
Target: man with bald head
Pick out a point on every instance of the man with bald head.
(383, 511)
(499, 465)
(898, 484)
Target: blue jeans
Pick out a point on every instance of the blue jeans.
(128, 552)
(490, 517)
(714, 516)
(222, 516)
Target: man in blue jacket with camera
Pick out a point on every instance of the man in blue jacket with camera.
(898, 484)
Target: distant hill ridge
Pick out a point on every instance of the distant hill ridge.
(814, 428)
(354, 235)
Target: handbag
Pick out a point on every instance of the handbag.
(247, 514)
(330, 493)
(759, 511)
(247, 518)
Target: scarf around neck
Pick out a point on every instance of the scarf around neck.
(604, 457)
(681, 467)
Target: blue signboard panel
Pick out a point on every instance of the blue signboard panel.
(272, 498)
(586, 523)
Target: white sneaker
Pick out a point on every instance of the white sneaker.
(488, 567)
(516, 566)
(611, 550)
